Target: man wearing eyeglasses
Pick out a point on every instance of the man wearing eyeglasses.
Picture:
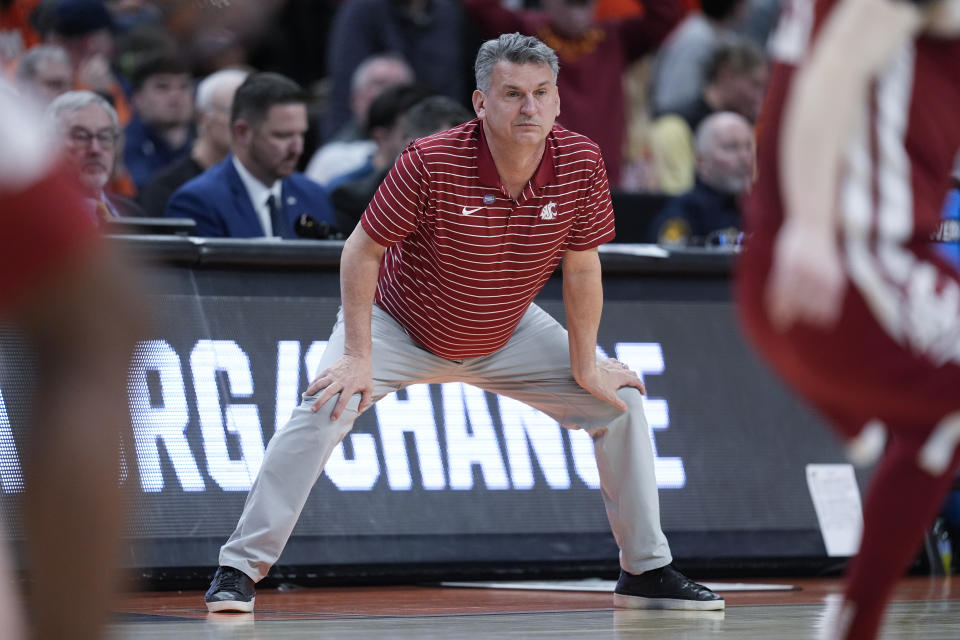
(89, 132)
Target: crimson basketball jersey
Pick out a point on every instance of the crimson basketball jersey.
(899, 159)
(464, 259)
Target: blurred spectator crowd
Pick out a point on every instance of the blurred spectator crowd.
(259, 118)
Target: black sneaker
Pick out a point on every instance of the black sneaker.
(663, 588)
(231, 590)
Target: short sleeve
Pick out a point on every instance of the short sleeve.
(398, 205)
(595, 223)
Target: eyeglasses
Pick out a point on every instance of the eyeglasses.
(83, 137)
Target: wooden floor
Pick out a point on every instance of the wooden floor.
(923, 609)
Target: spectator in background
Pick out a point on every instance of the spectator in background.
(593, 57)
(433, 115)
(710, 212)
(680, 70)
(384, 131)
(736, 81)
(375, 75)
(44, 73)
(395, 120)
(350, 147)
(161, 130)
(254, 192)
(84, 28)
(213, 101)
(87, 127)
(428, 35)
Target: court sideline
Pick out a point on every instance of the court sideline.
(922, 609)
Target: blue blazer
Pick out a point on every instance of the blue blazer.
(219, 203)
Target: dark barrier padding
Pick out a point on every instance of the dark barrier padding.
(437, 473)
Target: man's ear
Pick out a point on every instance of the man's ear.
(479, 100)
(241, 130)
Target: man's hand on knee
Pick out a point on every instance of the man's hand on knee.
(347, 376)
(610, 375)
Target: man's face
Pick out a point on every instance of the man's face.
(378, 77)
(52, 78)
(275, 145)
(727, 164)
(165, 100)
(521, 104)
(743, 92)
(91, 143)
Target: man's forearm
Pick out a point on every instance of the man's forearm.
(359, 269)
(583, 300)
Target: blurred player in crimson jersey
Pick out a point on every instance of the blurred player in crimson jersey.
(74, 306)
(840, 287)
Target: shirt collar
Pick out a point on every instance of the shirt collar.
(487, 170)
(257, 191)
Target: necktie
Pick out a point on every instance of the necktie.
(276, 216)
(103, 210)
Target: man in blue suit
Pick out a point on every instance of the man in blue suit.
(254, 192)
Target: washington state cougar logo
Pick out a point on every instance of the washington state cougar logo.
(549, 211)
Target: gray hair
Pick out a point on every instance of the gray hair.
(515, 48)
(30, 62)
(209, 85)
(359, 77)
(73, 101)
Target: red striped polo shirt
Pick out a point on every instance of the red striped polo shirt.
(464, 260)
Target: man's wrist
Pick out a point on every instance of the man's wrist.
(583, 372)
(357, 353)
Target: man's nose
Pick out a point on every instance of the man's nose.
(529, 104)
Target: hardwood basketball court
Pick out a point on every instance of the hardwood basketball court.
(923, 609)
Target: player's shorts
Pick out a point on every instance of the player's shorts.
(44, 231)
(898, 365)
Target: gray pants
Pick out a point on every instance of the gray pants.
(533, 367)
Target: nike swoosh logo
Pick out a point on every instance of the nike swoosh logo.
(467, 211)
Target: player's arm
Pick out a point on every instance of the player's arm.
(807, 281)
(583, 301)
(859, 37)
(352, 373)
